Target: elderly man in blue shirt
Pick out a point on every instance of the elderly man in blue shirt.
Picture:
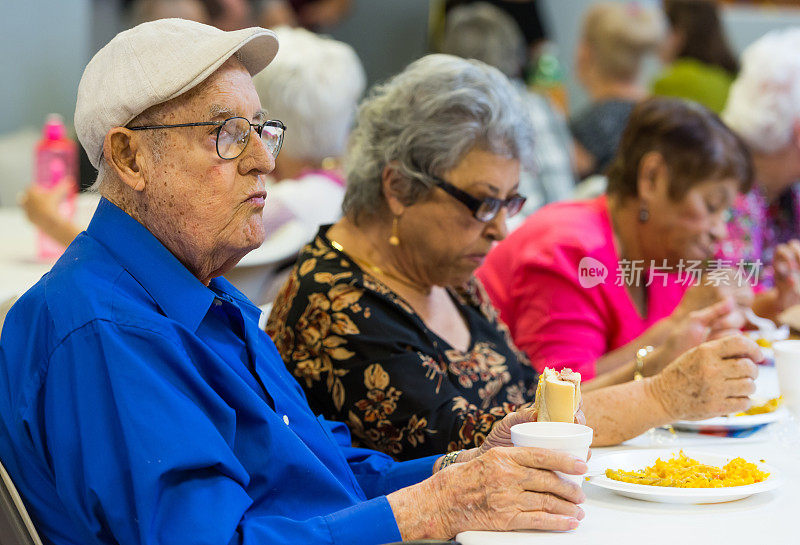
(139, 401)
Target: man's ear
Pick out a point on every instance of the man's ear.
(652, 178)
(122, 154)
(393, 186)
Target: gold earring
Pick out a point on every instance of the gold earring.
(394, 240)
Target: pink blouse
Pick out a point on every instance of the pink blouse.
(560, 287)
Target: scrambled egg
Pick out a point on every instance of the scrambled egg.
(763, 343)
(684, 472)
(767, 407)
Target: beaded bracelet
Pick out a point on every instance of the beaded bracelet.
(449, 458)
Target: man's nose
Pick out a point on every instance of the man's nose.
(256, 158)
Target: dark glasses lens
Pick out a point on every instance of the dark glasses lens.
(488, 209)
(515, 204)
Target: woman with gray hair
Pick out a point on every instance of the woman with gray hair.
(382, 321)
(764, 109)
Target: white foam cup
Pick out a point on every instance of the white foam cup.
(573, 439)
(787, 364)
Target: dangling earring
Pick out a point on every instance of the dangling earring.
(644, 214)
(394, 240)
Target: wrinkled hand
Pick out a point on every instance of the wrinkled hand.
(500, 436)
(712, 379)
(722, 319)
(702, 296)
(41, 205)
(506, 489)
(786, 266)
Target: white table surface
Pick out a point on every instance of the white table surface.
(19, 266)
(771, 517)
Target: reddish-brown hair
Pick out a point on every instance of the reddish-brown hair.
(694, 142)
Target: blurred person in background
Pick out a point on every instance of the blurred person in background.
(700, 63)
(542, 70)
(764, 109)
(614, 40)
(230, 14)
(484, 32)
(676, 173)
(313, 85)
(142, 11)
(382, 321)
(311, 14)
(526, 15)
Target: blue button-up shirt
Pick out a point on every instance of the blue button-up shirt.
(139, 406)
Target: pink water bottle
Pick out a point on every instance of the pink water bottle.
(56, 162)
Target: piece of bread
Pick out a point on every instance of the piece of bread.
(558, 395)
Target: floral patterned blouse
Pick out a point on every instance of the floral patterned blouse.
(756, 228)
(364, 357)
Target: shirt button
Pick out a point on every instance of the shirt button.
(217, 303)
(286, 419)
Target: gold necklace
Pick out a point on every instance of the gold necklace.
(364, 264)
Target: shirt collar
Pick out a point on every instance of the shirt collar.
(179, 294)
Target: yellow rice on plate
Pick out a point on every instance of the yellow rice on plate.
(684, 472)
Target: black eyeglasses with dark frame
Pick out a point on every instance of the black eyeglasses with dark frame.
(485, 209)
(233, 134)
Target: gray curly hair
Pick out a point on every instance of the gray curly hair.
(424, 121)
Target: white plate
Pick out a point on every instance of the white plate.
(732, 423)
(639, 459)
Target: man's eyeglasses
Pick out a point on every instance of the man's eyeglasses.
(485, 209)
(233, 134)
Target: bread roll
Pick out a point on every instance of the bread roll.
(558, 395)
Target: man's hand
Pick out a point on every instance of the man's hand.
(507, 488)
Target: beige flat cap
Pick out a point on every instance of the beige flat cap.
(155, 62)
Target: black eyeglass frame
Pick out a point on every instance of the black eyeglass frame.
(259, 128)
(474, 204)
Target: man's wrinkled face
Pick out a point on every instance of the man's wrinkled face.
(208, 210)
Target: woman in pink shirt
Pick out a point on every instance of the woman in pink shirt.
(587, 284)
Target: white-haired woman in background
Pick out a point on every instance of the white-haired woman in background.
(764, 109)
(313, 85)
